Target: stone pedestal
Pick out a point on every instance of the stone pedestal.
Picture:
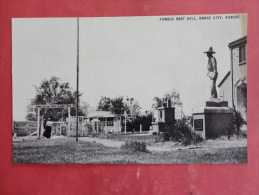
(214, 120)
(158, 127)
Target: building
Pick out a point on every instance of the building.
(233, 87)
(104, 121)
(165, 118)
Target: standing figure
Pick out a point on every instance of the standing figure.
(47, 132)
(212, 73)
(44, 124)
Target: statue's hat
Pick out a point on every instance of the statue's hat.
(210, 51)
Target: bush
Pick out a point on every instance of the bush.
(238, 122)
(182, 132)
(135, 146)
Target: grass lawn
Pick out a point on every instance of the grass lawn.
(67, 150)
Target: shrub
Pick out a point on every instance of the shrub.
(58, 133)
(238, 122)
(135, 146)
(165, 137)
(181, 132)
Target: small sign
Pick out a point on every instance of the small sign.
(198, 124)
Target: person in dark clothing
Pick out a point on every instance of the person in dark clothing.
(47, 132)
(44, 124)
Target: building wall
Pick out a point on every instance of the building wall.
(170, 115)
(239, 72)
(225, 91)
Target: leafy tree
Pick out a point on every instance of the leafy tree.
(238, 122)
(50, 92)
(85, 107)
(158, 102)
(173, 95)
(144, 120)
(104, 104)
(133, 108)
(118, 105)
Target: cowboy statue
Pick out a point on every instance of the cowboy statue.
(212, 73)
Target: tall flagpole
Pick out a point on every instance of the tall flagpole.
(77, 79)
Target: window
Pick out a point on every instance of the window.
(242, 54)
(198, 124)
(109, 123)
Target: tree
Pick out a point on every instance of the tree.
(49, 92)
(104, 104)
(145, 121)
(117, 106)
(133, 108)
(86, 108)
(173, 95)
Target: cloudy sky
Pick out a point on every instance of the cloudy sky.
(141, 57)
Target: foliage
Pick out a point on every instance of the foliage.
(118, 105)
(182, 132)
(104, 104)
(145, 121)
(132, 107)
(244, 96)
(238, 122)
(49, 92)
(173, 95)
(135, 146)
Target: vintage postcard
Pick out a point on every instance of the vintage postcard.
(130, 90)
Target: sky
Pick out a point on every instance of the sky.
(139, 57)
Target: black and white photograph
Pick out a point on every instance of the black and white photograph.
(130, 90)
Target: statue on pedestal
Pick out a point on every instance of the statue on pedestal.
(212, 74)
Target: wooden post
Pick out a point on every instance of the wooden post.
(125, 130)
(120, 124)
(105, 126)
(41, 126)
(140, 128)
(77, 80)
(113, 129)
(97, 125)
(38, 123)
(68, 129)
(82, 132)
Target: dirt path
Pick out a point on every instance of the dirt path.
(105, 142)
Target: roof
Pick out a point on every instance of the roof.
(100, 114)
(223, 80)
(237, 42)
